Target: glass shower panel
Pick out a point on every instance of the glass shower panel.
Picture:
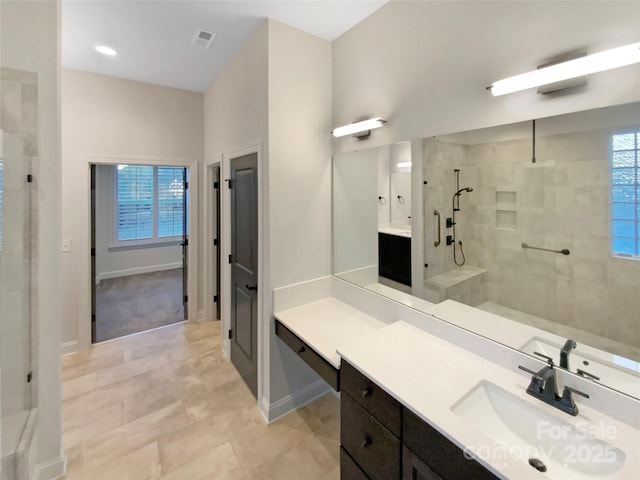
(15, 288)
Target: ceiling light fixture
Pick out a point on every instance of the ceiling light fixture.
(597, 62)
(403, 164)
(106, 50)
(363, 128)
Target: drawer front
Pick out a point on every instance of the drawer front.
(376, 401)
(326, 370)
(415, 469)
(369, 443)
(349, 470)
(441, 455)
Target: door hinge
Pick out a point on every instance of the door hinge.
(230, 258)
(93, 251)
(215, 242)
(185, 242)
(186, 298)
(29, 178)
(186, 185)
(215, 298)
(230, 334)
(216, 185)
(230, 183)
(93, 318)
(29, 377)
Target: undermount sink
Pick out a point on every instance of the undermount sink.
(566, 451)
(618, 373)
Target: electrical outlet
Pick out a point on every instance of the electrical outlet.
(66, 246)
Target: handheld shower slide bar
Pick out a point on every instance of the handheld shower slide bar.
(564, 251)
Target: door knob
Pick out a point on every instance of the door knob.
(255, 287)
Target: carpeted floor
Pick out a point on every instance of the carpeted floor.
(132, 304)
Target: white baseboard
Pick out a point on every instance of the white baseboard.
(69, 347)
(294, 401)
(51, 469)
(137, 270)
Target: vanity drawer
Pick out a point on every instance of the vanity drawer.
(326, 370)
(442, 456)
(376, 401)
(369, 443)
(349, 470)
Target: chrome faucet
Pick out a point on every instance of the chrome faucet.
(543, 387)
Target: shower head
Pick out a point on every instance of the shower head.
(459, 192)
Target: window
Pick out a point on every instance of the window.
(625, 192)
(149, 204)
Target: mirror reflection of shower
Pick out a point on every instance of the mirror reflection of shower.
(451, 222)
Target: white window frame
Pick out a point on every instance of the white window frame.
(154, 241)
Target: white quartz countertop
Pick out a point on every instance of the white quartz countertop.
(400, 232)
(429, 375)
(327, 324)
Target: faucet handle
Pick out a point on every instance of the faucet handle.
(582, 373)
(534, 376)
(547, 358)
(577, 392)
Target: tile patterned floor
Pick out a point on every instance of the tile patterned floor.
(166, 404)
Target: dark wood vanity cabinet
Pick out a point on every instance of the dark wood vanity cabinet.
(442, 458)
(394, 258)
(328, 372)
(383, 440)
(371, 422)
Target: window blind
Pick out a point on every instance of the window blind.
(625, 190)
(170, 200)
(134, 209)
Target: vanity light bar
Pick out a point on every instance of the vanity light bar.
(598, 62)
(358, 127)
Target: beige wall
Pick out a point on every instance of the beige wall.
(109, 118)
(424, 66)
(299, 180)
(275, 98)
(31, 42)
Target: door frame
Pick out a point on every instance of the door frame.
(84, 247)
(264, 292)
(210, 233)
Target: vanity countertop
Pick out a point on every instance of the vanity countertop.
(429, 375)
(400, 232)
(328, 323)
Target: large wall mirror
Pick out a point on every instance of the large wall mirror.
(528, 234)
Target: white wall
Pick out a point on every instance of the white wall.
(31, 42)
(119, 263)
(299, 179)
(424, 66)
(106, 119)
(275, 98)
(236, 122)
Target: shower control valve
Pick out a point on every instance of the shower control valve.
(450, 240)
(449, 223)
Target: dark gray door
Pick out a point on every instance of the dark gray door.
(185, 243)
(244, 268)
(93, 252)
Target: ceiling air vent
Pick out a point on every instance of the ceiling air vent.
(203, 39)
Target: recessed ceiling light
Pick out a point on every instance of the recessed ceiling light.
(106, 50)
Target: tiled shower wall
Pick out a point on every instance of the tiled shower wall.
(18, 155)
(561, 201)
